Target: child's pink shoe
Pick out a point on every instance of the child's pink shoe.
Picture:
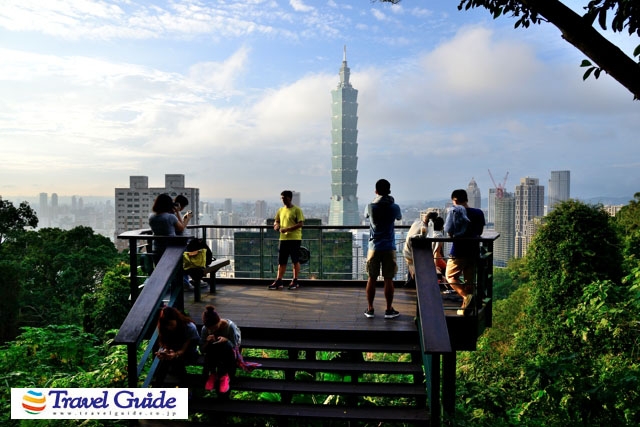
(211, 382)
(224, 384)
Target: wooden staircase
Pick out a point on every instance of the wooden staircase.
(338, 378)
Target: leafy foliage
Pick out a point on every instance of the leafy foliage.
(59, 356)
(14, 220)
(563, 349)
(13, 225)
(575, 247)
(628, 221)
(63, 266)
(10, 278)
(507, 280)
(108, 306)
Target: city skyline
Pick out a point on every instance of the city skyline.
(238, 99)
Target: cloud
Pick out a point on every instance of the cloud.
(219, 78)
(379, 15)
(299, 6)
(437, 115)
(102, 20)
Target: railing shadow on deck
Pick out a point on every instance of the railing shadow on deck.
(164, 286)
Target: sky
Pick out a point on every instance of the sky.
(236, 96)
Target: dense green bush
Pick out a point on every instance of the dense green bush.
(58, 356)
(563, 349)
(108, 306)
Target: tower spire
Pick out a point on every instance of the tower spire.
(344, 151)
(344, 70)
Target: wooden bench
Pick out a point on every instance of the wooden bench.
(210, 271)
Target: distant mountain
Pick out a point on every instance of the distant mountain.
(607, 200)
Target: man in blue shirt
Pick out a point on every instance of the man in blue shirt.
(382, 214)
(464, 254)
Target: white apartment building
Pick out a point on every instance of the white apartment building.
(133, 204)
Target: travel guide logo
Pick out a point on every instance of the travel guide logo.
(34, 402)
(97, 403)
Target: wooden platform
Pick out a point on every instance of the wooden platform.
(308, 307)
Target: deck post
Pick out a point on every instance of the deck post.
(433, 387)
(132, 364)
(133, 269)
(449, 382)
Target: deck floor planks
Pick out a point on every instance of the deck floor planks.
(309, 307)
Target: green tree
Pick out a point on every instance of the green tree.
(507, 280)
(13, 225)
(563, 347)
(59, 356)
(14, 220)
(107, 307)
(619, 15)
(628, 219)
(63, 266)
(575, 247)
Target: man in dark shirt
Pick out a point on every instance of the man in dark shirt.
(464, 254)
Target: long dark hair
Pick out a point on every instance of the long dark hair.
(172, 339)
(163, 203)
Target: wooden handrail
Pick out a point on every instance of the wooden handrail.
(435, 337)
(139, 321)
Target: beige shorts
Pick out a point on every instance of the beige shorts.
(385, 260)
(460, 266)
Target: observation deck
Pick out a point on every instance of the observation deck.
(324, 314)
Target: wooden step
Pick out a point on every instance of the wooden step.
(373, 347)
(355, 396)
(406, 368)
(329, 387)
(408, 414)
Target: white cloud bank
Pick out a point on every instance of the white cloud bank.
(83, 124)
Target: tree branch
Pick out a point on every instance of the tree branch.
(579, 32)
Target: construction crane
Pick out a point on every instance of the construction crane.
(499, 187)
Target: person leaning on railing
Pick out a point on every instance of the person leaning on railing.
(467, 222)
(164, 221)
(407, 251)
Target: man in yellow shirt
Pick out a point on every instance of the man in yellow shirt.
(288, 221)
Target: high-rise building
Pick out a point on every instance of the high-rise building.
(491, 207)
(134, 204)
(612, 210)
(343, 209)
(473, 194)
(44, 219)
(261, 209)
(228, 205)
(504, 209)
(44, 205)
(559, 188)
(54, 206)
(529, 204)
(296, 198)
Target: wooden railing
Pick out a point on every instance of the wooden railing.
(433, 325)
(163, 286)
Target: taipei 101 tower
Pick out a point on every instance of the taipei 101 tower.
(344, 148)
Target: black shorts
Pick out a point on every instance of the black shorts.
(289, 248)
